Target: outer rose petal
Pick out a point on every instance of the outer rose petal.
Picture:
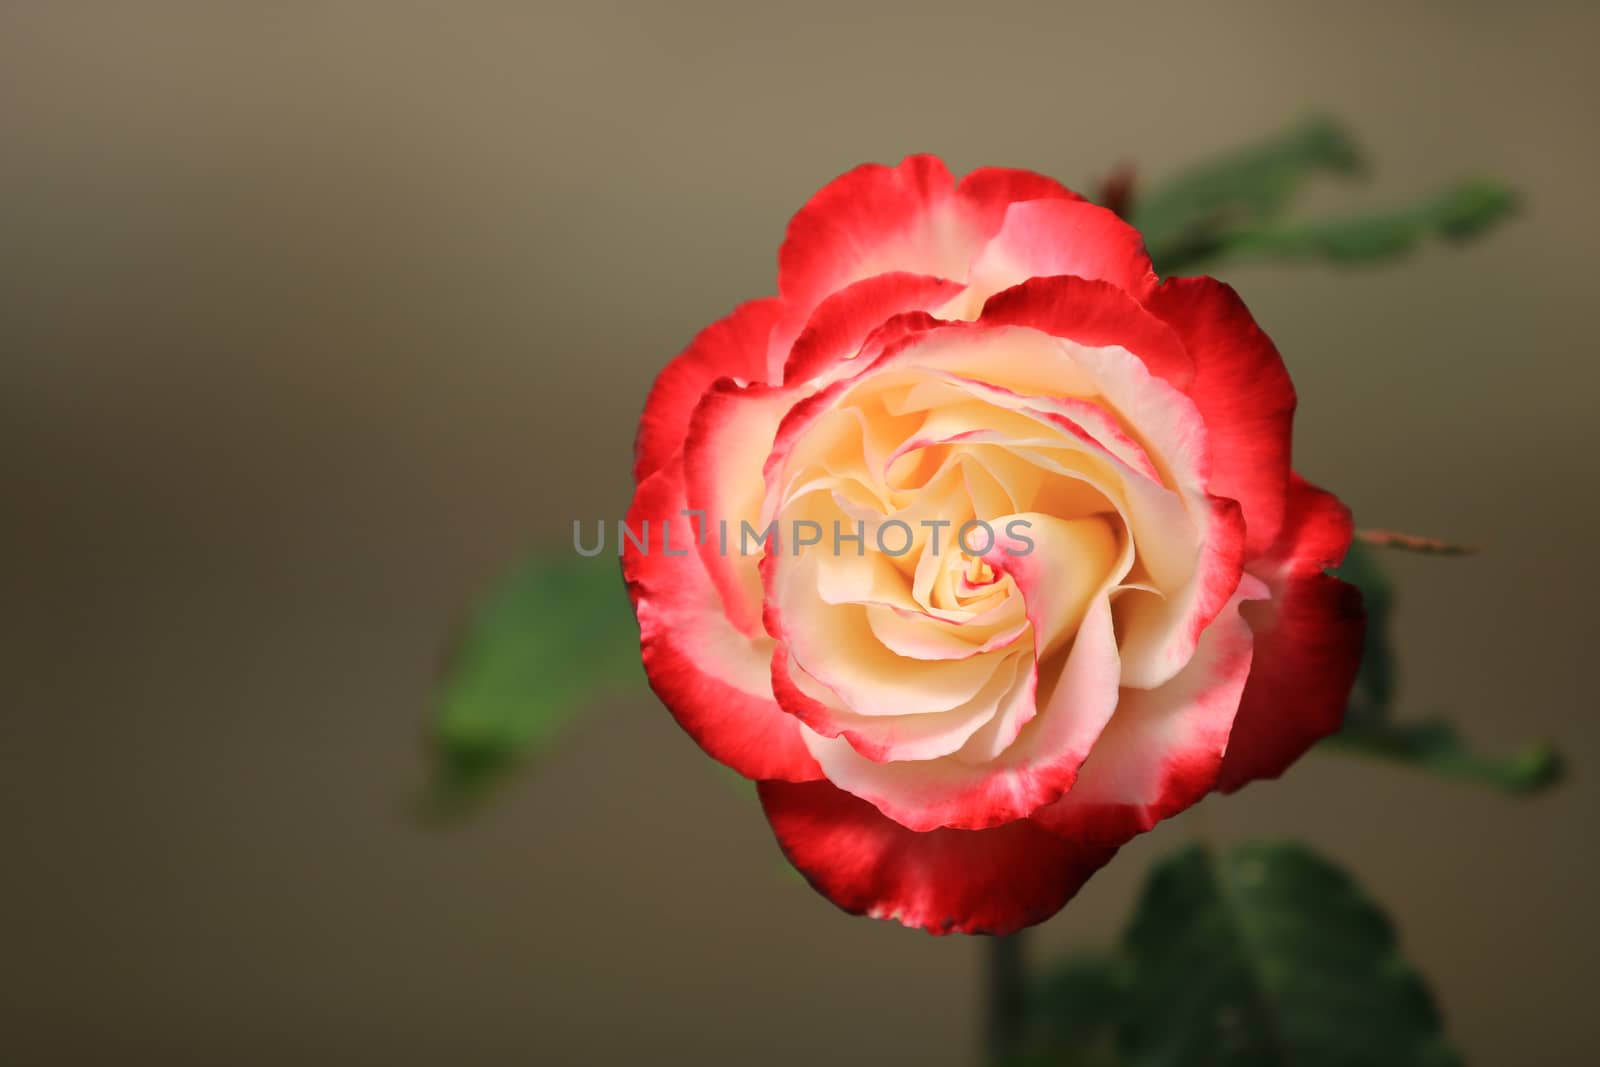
(868, 221)
(708, 674)
(1308, 643)
(990, 190)
(912, 217)
(729, 436)
(842, 322)
(1041, 238)
(943, 881)
(734, 347)
(1096, 314)
(1242, 388)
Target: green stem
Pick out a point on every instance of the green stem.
(1007, 988)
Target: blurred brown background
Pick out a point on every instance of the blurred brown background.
(315, 316)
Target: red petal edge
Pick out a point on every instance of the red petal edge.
(732, 347)
(1244, 393)
(910, 217)
(946, 881)
(693, 656)
(1308, 644)
(1093, 313)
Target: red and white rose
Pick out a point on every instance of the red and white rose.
(958, 734)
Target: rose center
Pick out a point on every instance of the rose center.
(978, 572)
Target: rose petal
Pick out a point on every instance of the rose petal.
(1095, 314)
(842, 322)
(885, 738)
(1035, 770)
(1071, 561)
(1243, 392)
(1308, 642)
(729, 436)
(911, 217)
(1162, 749)
(943, 881)
(733, 347)
(988, 191)
(711, 677)
(835, 645)
(1045, 238)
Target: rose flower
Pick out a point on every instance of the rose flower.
(978, 548)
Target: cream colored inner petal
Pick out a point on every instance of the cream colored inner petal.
(911, 736)
(995, 426)
(834, 643)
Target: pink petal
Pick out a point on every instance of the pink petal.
(1044, 238)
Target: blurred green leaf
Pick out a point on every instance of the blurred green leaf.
(1074, 1014)
(1269, 956)
(1232, 208)
(1436, 745)
(1456, 214)
(1432, 745)
(1251, 184)
(550, 637)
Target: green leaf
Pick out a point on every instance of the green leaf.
(1436, 745)
(1232, 208)
(1270, 957)
(549, 638)
(1432, 745)
(1456, 214)
(1251, 184)
(1074, 1014)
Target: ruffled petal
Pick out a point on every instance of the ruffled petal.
(988, 191)
(844, 320)
(1308, 642)
(1161, 631)
(733, 347)
(835, 645)
(728, 439)
(912, 217)
(886, 738)
(872, 220)
(1036, 769)
(1020, 359)
(1043, 238)
(1244, 393)
(1163, 747)
(711, 677)
(992, 881)
(1096, 314)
